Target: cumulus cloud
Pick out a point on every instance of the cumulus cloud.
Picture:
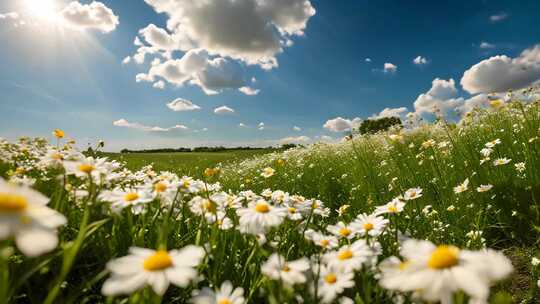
(93, 16)
(420, 60)
(241, 125)
(195, 67)
(340, 124)
(249, 91)
(159, 85)
(486, 45)
(223, 110)
(249, 30)
(368, 60)
(498, 17)
(502, 73)
(135, 125)
(181, 105)
(389, 68)
(390, 112)
(295, 140)
(441, 97)
(297, 129)
(261, 126)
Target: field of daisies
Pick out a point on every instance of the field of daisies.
(429, 213)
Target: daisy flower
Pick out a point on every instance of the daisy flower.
(412, 194)
(501, 161)
(226, 294)
(371, 225)
(332, 282)
(123, 198)
(290, 273)
(202, 206)
(293, 213)
(462, 187)
(155, 268)
(24, 215)
(437, 272)
(341, 230)
(268, 172)
(350, 257)
(393, 207)
(260, 216)
(164, 190)
(86, 167)
(484, 188)
(322, 240)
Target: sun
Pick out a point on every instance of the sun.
(45, 10)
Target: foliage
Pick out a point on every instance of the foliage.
(372, 126)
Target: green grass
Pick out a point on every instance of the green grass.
(364, 173)
(184, 163)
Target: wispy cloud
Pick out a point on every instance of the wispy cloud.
(135, 125)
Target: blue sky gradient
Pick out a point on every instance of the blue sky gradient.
(77, 82)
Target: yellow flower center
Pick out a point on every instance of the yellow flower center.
(345, 232)
(368, 226)
(324, 243)
(262, 207)
(86, 168)
(186, 184)
(19, 170)
(160, 187)
(404, 265)
(392, 209)
(158, 261)
(330, 278)
(57, 156)
(209, 206)
(224, 301)
(286, 268)
(444, 257)
(130, 197)
(292, 210)
(345, 255)
(11, 203)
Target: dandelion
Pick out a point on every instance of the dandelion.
(226, 294)
(412, 194)
(484, 188)
(268, 172)
(24, 215)
(501, 161)
(58, 133)
(158, 269)
(290, 273)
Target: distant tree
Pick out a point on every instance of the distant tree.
(372, 126)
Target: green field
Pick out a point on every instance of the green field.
(183, 163)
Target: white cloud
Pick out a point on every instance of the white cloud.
(223, 110)
(295, 140)
(419, 60)
(212, 75)
(135, 125)
(340, 124)
(486, 45)
(252, 31)
(93, 16)
(502, 73)
(241, 125)
(390, 68)
(367, 60)
(126, 60)
(441, 97)
(390, 112)
(180, 105)
(249, 91)
(297, 129)
(478, 101)
(498, 17)
(159, 85)
(9, 16)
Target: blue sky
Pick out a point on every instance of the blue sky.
(70, 75)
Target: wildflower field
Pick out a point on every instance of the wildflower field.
(428, 213)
